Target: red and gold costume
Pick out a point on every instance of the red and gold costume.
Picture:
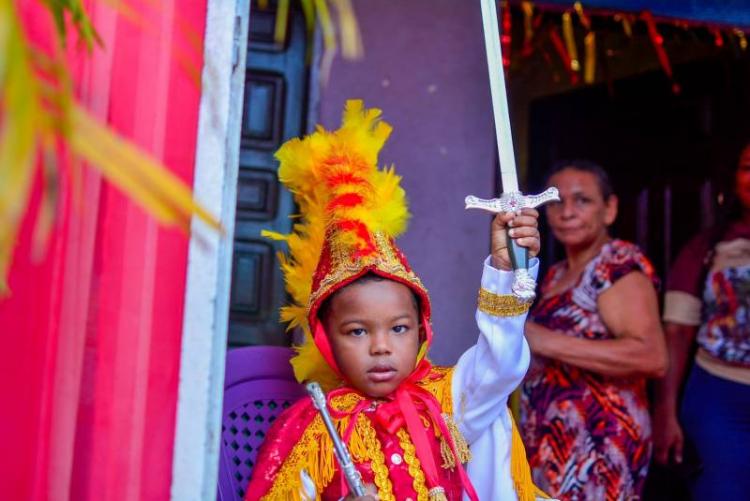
(406, 444)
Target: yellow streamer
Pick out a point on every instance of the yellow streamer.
(528, 16)
(627, 24)
(741, 36)
(589, 69)
(570, 41)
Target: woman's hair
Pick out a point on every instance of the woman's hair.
(729, 211)
(602, 178)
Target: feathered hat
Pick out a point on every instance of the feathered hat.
(350, 213)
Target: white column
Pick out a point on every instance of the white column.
(204, 334)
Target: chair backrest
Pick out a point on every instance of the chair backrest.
(259, 385)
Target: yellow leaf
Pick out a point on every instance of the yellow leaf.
(157, 189)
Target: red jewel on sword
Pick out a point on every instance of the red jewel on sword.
(512, 199)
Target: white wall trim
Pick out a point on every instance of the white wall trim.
(204, 332)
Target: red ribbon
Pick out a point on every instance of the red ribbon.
(402, 410)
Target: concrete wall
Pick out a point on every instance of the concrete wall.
(425, 67)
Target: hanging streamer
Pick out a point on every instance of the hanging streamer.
(585, 21)
(718, 38)
(570, 41)
(658, 42)
(589, 68)
(741, 37)
(627, 24)
(528, 27)
(557, 42)
(506, 35)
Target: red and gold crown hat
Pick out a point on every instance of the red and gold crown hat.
(350, 213)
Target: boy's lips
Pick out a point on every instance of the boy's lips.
(381, 373)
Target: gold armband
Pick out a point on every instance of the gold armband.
(501, 305)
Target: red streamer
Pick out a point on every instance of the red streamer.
(506, 35)
(559, 45)
(658, 42)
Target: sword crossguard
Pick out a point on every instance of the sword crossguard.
(512, 201)
(523, 284)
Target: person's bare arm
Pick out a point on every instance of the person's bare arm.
(630, 311)
(668, 437)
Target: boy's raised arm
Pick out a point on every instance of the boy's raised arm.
(490, 370)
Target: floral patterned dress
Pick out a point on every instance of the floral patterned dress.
(588, 436)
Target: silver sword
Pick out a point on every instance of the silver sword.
(512, 199)
(353, 477)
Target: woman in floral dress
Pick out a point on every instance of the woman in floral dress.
(595, 336)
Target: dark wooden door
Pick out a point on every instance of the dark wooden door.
(274, 111)
(669, 156)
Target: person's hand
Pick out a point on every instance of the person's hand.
(523, 229)
(668, 437)
(536, 337)
(371, 494)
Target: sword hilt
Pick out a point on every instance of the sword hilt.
(523, 285)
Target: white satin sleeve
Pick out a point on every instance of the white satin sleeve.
(484, 377)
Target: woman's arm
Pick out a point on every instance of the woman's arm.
(668, 438)
(630, 311)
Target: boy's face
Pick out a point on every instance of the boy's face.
(373, 329)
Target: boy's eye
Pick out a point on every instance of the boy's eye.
(357, 332)
(400, 329)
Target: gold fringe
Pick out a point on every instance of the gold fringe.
(440, 386)
(314, 454)
(519, 468)
(462, 447)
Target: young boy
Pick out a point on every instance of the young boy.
(410, 427)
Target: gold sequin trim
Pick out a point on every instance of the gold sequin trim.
(462, 447)
(501, 305)
(377, 459)
(415, 468)
(343, 266)
(345, 402)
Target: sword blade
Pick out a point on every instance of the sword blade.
(508, 173)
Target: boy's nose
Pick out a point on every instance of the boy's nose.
(379, 344)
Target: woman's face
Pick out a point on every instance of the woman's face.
(582, 215)
(742, 178)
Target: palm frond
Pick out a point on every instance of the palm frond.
(41, 120)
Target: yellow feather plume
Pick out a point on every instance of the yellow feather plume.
(337, 185)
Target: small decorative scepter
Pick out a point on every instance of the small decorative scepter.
(353, 477)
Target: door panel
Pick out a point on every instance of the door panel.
(274, 111)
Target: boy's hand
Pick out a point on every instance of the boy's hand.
(523, 229)
(371, 494)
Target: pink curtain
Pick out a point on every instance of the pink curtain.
(92, 331)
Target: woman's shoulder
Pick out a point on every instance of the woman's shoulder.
(620, 257)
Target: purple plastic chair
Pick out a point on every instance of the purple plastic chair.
(259, 385)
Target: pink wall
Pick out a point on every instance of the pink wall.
(92, 331)
(425, 67)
